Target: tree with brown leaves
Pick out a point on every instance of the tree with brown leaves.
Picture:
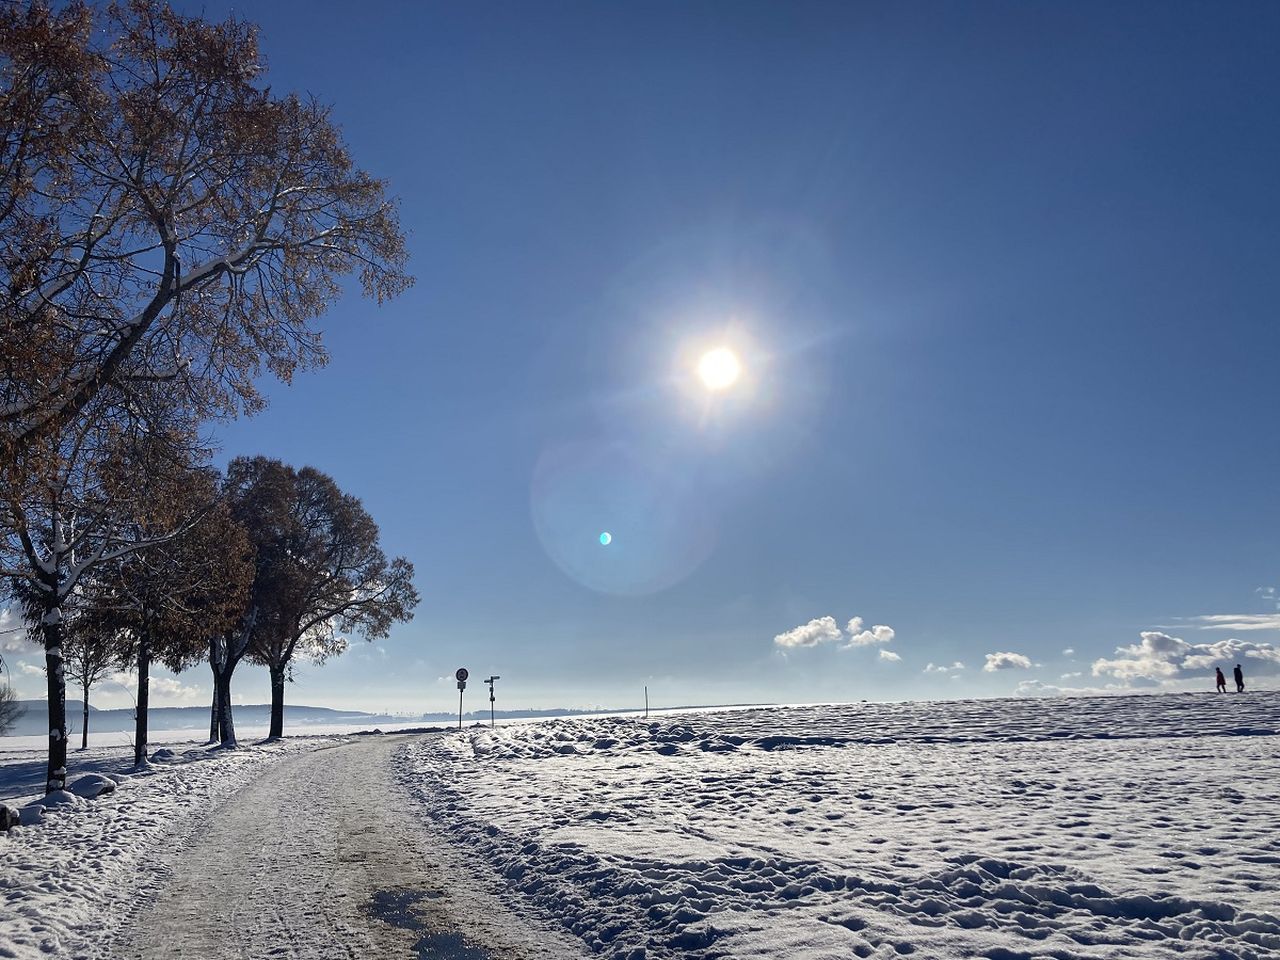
(165, 216)
(321, 573)
(162, 603)
(169, 226)
(73, 511)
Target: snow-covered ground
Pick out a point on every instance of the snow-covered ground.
(191, 736)
(1068, 828)
(71, 879)
(1118, 827)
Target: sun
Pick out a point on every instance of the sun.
(719, 369)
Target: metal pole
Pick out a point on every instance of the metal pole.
(461, 676)
(491, 698)
(646, 701)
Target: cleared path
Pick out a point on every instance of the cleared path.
(322, 857)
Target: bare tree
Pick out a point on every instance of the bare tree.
(10, 709)
(165, 216)
(322, 573)
(89, 654)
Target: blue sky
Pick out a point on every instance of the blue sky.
(1002, 277)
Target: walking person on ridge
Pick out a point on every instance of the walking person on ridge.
(1239, 679)
(1222, 681)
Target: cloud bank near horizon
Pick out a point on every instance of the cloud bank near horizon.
(1158, 656)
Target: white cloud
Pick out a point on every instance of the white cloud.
(1071, 676)
(889, 655)
(1069, 651)
(1160, 657)
(943, 668)
(1006, 661)
(858, 637)
(160, 688)
(166, 688)
(1235, 622)
(1208, 655)
(1038, 688)
(821, 630)
(826, 630)
(13, 633)
(1152, 657)
(30, 669)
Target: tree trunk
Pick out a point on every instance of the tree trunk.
(51, 631)
(224, 655)
(84, 727)
(144, 696)
(226, 721)
(277, 703)
(213, 707)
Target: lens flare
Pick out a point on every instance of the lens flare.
(661, 519)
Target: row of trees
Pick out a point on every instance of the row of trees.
(169, 228)
(280, 565)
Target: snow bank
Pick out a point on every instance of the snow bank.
(1108, 827)
(75, 875)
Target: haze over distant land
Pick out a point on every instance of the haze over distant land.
(998, 281)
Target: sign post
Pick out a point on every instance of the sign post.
(490, 683)
(462, 685)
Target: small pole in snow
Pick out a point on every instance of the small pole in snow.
(490, 683)
(646, 701)
(462, 685)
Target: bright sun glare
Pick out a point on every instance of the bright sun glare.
(719, 369)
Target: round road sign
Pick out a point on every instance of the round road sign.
(462, 674)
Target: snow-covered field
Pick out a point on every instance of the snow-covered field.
(191, 736)
(72, 878)
(1144, 826)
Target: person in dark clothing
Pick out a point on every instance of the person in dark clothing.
(1222, 681)
(1239, 679)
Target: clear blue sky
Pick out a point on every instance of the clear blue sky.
(1003, 279)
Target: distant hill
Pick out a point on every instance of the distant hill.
(35, 716)
(29, 706)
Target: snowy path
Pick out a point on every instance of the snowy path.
(320, 857)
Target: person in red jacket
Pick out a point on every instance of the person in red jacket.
(1222, 681)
